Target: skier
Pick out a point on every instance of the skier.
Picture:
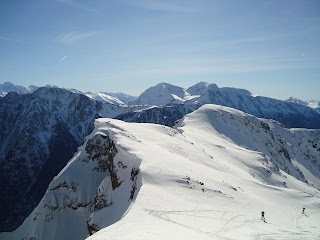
(303, 210)
(262, 216)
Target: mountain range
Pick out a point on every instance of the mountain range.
(7, 87)
(166, 103)
(39, 132)
(105, 97)
(208, 177)
(42, 128)
(312, 103)
(173, 102)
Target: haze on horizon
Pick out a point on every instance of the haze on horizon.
(270, 48)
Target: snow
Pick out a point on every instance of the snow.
(314, 104)
(310, 103)
(209, 177)
(172, 205)
(103, 97)
(161, 94)
(168, 207)
(164, 94)
(7, 87)
(125, 98)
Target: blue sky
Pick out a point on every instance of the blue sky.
(271, 48)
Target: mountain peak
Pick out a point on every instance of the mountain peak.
(7, 87)
(165, 85)
(198, 89)
(297, 100)
(7, 84)
(161, 94)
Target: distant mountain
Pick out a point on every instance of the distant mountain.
(113, 98)
(288, 113)
(208, 177)
(125, 98)
(104, 97)
(39, 133)
(165, 93)
(7, 87)
(161, 94)
(311, 103)
(297, 100)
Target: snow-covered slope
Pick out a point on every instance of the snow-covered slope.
(161, 94)
(113, 98)
(125, 98)
(103, 97)
(208, 178)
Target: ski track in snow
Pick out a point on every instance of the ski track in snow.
(234, 222)
(227, 223)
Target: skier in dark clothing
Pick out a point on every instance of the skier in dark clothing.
(303, 210)
(262, 216)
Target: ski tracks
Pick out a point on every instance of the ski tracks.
(221, 221)
(288, 236)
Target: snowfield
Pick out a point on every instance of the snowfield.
(173, 204)
(209, 177)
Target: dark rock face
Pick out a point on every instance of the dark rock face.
(102, 149)
(164, 115)
(39, 133)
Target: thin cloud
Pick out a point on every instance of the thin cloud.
(8, 39)
(163, 6)
(73, 37)
(75, 4)
(62, 59)
(5, 38)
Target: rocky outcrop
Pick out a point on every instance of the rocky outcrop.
(97, 182)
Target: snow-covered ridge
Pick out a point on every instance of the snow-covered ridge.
(104, 97)
(310, 103)
(208, 177)
(100, 180)
(7, 87)
(161, 94)
(165, 93)
(113, 98)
